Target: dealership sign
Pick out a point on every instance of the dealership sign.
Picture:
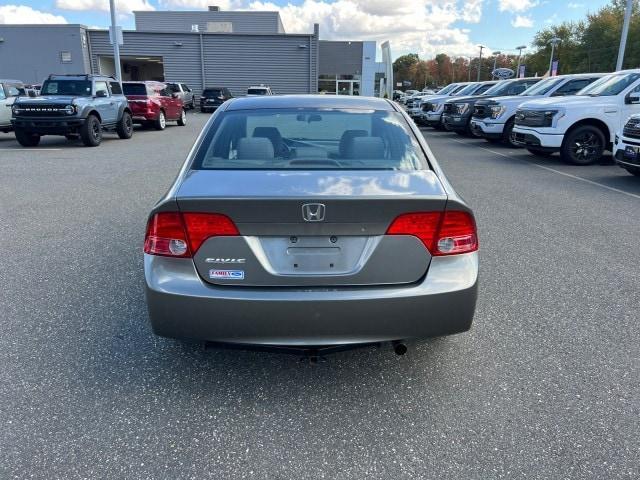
(503, 73)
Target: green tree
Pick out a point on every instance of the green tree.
(402, 67)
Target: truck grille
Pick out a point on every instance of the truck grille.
(480, 111)
(448, 108)
(426, 107)
(41, 110)
(632, 128)
(530, 118)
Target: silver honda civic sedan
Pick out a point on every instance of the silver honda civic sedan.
(310, 220)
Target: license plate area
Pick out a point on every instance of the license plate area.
(315, 255)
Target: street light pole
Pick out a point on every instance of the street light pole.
(114, 37)
(469, 71)
(480, 61)
(520, 48)
(554, 41)
(623, 37)
(495, 59)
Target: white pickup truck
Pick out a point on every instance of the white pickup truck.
(583, 126)
(493, 118)
(627, 146)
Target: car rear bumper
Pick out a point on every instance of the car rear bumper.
(182, 305)
(531, 138)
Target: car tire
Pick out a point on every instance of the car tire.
(583, 145)
(91, 131)
(506, 134)
(124, 129)
(160, 123)
(193, 105)
(540, 152)
(633, 171)
(27, 139)
(182, 120)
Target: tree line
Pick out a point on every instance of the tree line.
(589, 45)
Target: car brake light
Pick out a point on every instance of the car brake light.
(201, 226)
(166, 236)
(442, 233)
(181, 235)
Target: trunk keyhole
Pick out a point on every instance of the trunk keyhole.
(333, 239)
(295, 265)
(293, 239)
(331, 265)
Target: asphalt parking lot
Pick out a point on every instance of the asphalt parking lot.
(545, 385)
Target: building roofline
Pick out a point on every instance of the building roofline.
(232, 34)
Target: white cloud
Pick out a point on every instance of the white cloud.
(422, 26)
(122, 6)
(516, 5)
(17, 14)
(552, 19)
(575, 5)
(522, 21)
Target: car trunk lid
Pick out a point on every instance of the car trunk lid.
(311, 228)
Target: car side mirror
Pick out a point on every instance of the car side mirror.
(174, 95)
(32, 94)
(101, 93)
(633, 97)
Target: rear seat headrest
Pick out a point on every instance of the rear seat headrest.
(365, 147)
(255, 148)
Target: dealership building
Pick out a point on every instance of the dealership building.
(234, 49)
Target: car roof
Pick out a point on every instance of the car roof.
(310, 101)
(10, 80)
(213, 88)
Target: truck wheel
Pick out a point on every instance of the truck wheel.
(540, 152)
(124, 129)
(182, 121)
(583, 145)
(27, 139)
(506, 134)
(161, 122)
(91, 131)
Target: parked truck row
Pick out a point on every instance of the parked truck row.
(579, 116)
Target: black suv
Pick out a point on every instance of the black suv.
(213, 97)
(74, 106)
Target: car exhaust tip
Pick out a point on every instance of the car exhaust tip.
(399, 348)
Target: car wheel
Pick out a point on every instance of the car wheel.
(583, 145)
(27, 139)
(161, 121)
(124, 129)
(182, 121)
(633, 171)
(91, 131)
(540, 152)
(506, 134)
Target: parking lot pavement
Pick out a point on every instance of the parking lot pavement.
(545, 385)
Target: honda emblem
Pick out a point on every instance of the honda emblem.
(313, 212)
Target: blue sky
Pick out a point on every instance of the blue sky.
(423, 26)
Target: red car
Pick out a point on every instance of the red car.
(152, 103)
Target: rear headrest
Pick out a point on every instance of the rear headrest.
(268, 132)
(365, 148)
(346, 138)
(255, 148)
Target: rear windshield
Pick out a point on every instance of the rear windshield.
(66, 87)
(211, 93)
(304, 139)
(134, 88)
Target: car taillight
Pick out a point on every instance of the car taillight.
(181, 235)
(442, 233)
